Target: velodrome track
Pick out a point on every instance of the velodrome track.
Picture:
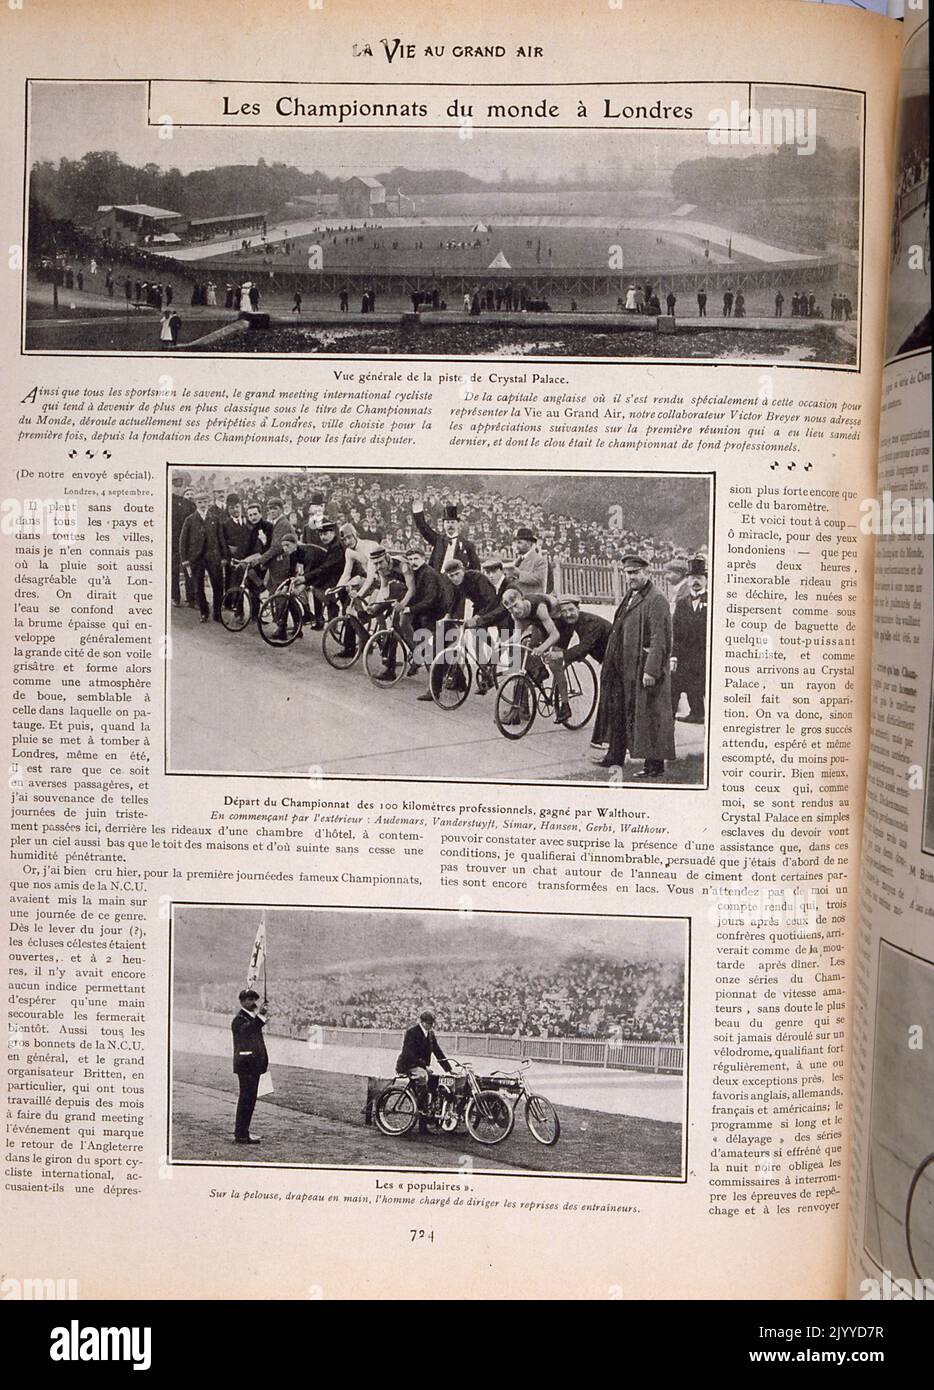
(611, 1091)
(236, 705)
(315, 1117)
(677, 227)
(902, 1119)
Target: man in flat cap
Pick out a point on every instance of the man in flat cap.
(182, 507)
(635, 693)
(689, 645)
(581, 635)
(449, 543)
(201, 553)
(494, 614)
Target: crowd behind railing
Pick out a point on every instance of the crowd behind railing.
(489, 518)
(585, 997)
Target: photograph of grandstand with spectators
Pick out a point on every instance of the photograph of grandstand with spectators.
(908, 326)
(558, 1043)
(498, 626)
(628, 244)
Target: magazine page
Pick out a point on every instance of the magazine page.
(892, 1215)
(432, 845)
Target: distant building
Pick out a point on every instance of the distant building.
(317, 204)
(132, 223)
(228, 224)
(362, 197)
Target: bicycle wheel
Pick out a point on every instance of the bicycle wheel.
(449, 680)
(236, 609)
(395, 1111)
(541, 1117)
(582, 693)
(385, 657)
(919, 1219)
(516, 706)
(489, 1117)
(341, 642)
(280, 620)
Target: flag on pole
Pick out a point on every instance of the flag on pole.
(257, 955)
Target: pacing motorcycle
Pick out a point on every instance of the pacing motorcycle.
(487, 1114)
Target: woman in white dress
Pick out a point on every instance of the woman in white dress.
(245, 306)
(212, 292)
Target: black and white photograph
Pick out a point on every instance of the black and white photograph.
(899, 1222)
(738, 241)
(499, 626)
(391, 1039)
(908, 323)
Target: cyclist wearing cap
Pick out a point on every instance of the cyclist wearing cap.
(323, 558)
(390, 589)
(432, 596)
(494, 615)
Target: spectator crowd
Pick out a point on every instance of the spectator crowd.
(584, 996)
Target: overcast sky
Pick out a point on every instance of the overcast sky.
(323, 938)
(71, 119)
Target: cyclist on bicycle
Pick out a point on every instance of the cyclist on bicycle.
(392, 586)
(533, 617)
(322, 564)
(276, 558)
(358, 555)
(430, 602)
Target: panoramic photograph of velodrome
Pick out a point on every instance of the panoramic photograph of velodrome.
(633, 244)
(385, 1038)
(501, 626)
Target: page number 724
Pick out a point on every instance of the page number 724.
(421, 1235)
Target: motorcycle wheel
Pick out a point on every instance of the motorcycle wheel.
(395, 1111)
(489, 1117)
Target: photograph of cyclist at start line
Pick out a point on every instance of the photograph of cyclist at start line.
(509, 626)
(393, 1038)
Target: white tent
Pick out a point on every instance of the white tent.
(500, 262)
(481, 227)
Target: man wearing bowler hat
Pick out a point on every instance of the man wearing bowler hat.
(531, 565)
(449, 543)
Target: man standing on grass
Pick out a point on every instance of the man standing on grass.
(250, 1060)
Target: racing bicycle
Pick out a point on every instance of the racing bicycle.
(523, 694)
(281, 614)
(541, 1117)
